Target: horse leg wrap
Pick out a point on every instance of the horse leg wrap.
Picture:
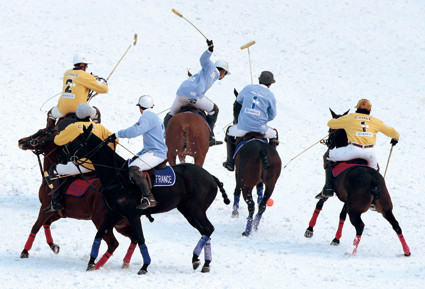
(257, 221)
(201, 244)
(95, 248)
(207, 252)
(29, 242)
(248, 228)
(103, 260)
(145, 254)
(356, 244)
(339, 231)
(130, 252)
(314, 218)
(236, 199)
(406, 248)
(48, 234)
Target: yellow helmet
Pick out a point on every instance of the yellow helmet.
(364, 104)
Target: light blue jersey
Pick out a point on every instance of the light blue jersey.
(196, 85)
(258, 108)
(152, 129)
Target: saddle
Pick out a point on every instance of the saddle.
(188, 108)
(340, 167)
(161, 175)
(250, 136)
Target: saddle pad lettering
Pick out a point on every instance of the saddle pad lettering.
(242, 142)
(165, 177)
(339, 168)
(79, 187)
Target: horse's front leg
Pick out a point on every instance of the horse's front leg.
(342, 217)
(319, 206)
(356, 220)
(236, 198)
(247, 195)
(136, 226)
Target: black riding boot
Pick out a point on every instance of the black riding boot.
(56, 203)
(327, 190)
(211, 120)
(230, 145)
(167, 118)
(139, 179)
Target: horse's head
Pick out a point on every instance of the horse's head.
(38, 141)
(236, 108)
(337, 137)
(83, 145)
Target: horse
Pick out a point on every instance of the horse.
(187, 134)
(192, 193)
(357, 187)
(90, 206)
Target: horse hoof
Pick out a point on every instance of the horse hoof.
(125, 265)
(308, 233)
(24, 254)
(196, 264)
(205, 269)
(335, 242)
(91, 267)
(55, 248)
(142, 272)
(245, 234)
(235, 214)
(407, 255)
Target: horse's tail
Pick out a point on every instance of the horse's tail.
(223, 192)
(184, 140)
(374, 185)
(264, 158)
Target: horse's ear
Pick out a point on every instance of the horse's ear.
(334, 115)
(235, 92)
(188, 73)
(346, 112)
(88, 129)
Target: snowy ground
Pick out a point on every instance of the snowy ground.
(323, 53)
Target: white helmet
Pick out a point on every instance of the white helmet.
(81, 58)
(84, 110)
(223, 65)
(145, 101)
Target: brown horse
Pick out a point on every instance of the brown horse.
(357, 187)
(256, 162)
(187, 134)
(90, 206)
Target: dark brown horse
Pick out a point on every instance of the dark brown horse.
(192, 193)
(187, 134)
(357, 187)
(88, 207)
(256, 162)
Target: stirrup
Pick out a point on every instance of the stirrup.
(146, 203)
(214, 142)
(325, 193)
(229, 167)
(51, 208)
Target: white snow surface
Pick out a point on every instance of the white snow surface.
(323, 54)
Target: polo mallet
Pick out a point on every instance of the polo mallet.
(249, 55)
(119, 61)
(388, 162)
(181, 15)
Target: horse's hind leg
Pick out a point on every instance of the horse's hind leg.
(236, 198)
(260, 190)
(319, 206)
(388, 215)
(198, 219)
(356, 220)
(247, 195)
(262, 205)
(342, 217)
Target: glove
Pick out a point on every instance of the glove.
(111, 138)
(394, 141)
(210, 45)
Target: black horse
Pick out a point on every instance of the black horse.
(357, 187)
(192, 193)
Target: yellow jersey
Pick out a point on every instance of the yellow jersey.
(73, 130)
(362, 128)
(76, 86)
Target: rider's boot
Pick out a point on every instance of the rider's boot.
(230, 145)
(211, 120)
(327, 190)
(56, 203)
(140, 180)
(167, 118)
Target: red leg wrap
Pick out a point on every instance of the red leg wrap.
(130, 252)
(356, 244)
(29, 242)
(339, 231)
(103, 260)
(406, 248)
(314, 218)
(48, 234)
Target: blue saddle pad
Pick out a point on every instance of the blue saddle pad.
(242, 142)
(165, 177)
